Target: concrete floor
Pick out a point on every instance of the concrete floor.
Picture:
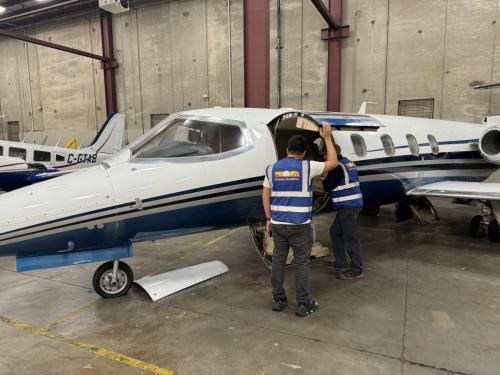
(429, 304)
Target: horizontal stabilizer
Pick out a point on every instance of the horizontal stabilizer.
(460, 189)
(168, 283)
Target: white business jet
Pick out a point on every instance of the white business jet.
(203, 169)
(23, 164)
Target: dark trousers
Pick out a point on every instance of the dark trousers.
(300, 239)
(344, 233)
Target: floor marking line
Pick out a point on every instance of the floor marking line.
(221, 237)
(71, 314)
(102, 352)
(209, 243)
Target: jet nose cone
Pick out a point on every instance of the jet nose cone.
(51, 206)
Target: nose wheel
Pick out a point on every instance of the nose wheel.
(112, 279)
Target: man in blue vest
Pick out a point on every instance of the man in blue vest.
(287, 198)
(347, 200)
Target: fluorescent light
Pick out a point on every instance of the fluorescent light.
(2, 9)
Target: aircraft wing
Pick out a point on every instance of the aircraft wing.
(489, 191)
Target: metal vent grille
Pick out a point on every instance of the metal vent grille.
(416, 108)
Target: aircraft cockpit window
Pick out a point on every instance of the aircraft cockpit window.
(388, 144)
(359, 144)
(413, 144)
(41, 156)
(434, 144)
(15, 152)
(192, 137)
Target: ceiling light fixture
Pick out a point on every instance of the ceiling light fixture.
(2, 9)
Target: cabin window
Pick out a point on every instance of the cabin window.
(434, 144)
(60, 157)
(1, 151)
(388, 144)
(192, 137)
(43, 156)
(15, 152)
(359, 144)
(412, 144)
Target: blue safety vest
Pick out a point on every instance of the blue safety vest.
(348, 192)
(291, 190)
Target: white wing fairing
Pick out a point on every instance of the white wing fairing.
(460, 189)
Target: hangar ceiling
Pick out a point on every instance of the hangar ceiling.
(20, 13)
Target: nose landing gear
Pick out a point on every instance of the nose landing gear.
(112, 279)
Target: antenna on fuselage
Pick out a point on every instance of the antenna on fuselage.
(486, 86)
(362, 107)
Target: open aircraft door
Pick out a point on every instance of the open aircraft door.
(282, 128)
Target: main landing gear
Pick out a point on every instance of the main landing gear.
(113, 279)
(485, 225)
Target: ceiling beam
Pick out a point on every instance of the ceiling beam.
(323, 10)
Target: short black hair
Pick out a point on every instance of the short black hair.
(296, 144)
(338, 150)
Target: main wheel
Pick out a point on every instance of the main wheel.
(494, 231)
(103, 280)
(477, 228)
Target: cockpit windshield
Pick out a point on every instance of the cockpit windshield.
(187, 137)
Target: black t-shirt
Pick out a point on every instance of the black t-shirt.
(333, 178)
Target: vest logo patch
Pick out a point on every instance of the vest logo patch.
(286, 174)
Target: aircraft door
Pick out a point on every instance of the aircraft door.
(299, 124)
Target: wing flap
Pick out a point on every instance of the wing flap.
(459, 189)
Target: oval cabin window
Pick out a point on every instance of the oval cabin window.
(359, 144)
(413, 144)
(434, 144)
(388, 144)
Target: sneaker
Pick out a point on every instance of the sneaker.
(349, 275)
(332, 266)
(304, 309)
(279, 304)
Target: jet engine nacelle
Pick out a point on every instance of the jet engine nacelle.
(489, 144)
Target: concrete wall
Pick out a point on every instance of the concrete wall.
(422, 49)
(174, 55)
(53, 94)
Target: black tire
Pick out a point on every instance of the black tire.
(494, 231)
(102, 280)
(477, 229)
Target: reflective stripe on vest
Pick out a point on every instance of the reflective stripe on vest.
(348, 193)
(291, 190)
